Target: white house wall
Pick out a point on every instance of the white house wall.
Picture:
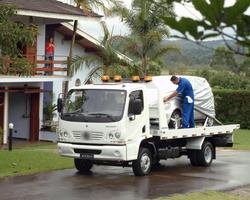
(41, 43)
(62, 49)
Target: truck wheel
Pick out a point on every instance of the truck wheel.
(83, 165)
(192, 154)
(205, 155)
(175, 120)
(142, 166)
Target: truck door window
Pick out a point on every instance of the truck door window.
(138, 94)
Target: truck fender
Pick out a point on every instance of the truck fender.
(195, 143)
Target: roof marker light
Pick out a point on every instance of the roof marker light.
(147, 78)
(117, 78)
(105, 78)
(135, 78)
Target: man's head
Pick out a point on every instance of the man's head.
(175, 80)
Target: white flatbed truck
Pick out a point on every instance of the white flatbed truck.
(109, 124)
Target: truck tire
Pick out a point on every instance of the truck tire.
(142, 166)
(175, 118)
(205, 155)
(82, 165)
(192, 154)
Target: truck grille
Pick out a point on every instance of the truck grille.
(90, 151)
(87, 135)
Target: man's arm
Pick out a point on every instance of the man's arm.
(174, 94)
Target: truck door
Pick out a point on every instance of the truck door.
(136, 124)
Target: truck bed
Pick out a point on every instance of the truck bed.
(166, 134)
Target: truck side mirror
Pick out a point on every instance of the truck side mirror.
(59, 105)
(136, 107)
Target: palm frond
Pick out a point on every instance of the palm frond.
(78, 62)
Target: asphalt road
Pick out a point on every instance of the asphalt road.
(230, 170)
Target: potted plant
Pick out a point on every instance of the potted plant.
(48, 112)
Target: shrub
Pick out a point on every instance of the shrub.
(233, 106)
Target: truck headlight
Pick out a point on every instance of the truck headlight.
(65, 134)
(111, 136)
(117, 135)
(60, 133)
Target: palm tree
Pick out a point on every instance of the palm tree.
(143, 45)
(106, 61)
(104, 5)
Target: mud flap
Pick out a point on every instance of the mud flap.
(195, 143)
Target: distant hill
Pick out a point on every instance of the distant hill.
(191, 54)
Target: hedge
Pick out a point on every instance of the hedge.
(233, 106)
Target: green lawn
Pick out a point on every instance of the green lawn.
(211, 195)
(242, 139)
(32, 158)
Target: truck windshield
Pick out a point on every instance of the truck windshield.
(94, 105)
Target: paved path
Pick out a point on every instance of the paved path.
(230, 170)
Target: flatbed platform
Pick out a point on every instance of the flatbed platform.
(166, 134)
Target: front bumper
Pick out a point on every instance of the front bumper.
(105, 152)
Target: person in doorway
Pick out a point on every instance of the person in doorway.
(49, 53)
(186, 90)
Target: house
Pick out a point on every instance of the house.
(22, 98)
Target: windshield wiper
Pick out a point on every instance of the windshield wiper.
(103, 114)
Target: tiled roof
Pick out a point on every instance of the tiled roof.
(50, 6)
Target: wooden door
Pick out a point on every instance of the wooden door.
(31, 53)
(34, 117)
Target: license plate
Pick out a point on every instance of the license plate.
(87, 156)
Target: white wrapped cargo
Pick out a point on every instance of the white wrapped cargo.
(203, 98)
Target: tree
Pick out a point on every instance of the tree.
(143, 45)
(12, 36)
(224, 59)
(107, 60)
(216, 20)
(104, 5)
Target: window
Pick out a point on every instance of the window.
(138, 94)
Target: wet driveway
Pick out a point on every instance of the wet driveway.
(230, 170)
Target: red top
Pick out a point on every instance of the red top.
(49, 47)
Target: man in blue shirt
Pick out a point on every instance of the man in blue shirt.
(186, 90)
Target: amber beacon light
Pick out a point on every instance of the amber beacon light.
(117, 78)
(105, 78)
(135, 78)
(148, 78)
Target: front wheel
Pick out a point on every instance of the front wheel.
(142, 166)
(82, 165)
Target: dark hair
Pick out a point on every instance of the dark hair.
(174, 78)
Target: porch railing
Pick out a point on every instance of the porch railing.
(40, 66)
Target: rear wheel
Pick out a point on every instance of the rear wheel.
(142, 166)
(205, 155)
(175, 120)
(82, 165)
(193, 157)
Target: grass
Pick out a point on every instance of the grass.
(32, 158)
(210, 195)
(242, 139)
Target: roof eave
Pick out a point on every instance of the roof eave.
(55, 15)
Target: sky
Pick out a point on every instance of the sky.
(118, 28)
